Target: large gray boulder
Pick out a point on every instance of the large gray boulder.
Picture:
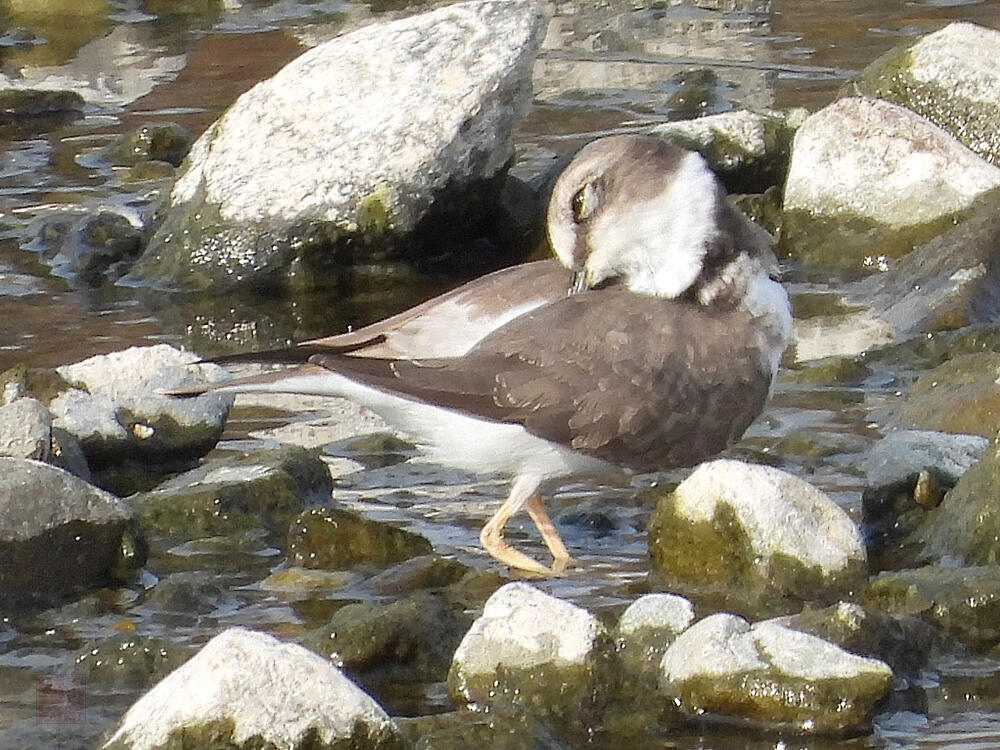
(754, 539)
(349, 147)
(951, 77)
(869, 180)
(58, 533)
(249, 690)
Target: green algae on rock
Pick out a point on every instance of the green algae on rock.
(961, 395)
(771, 676)
(264, 489)
(869, 180)
(255, 692)
(753, 539)
(532, 653)
(950, 77)
(966, 525)
(963, 602)
(333, 538)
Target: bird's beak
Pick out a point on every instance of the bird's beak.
(580, 282)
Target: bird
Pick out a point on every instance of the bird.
(652, 341)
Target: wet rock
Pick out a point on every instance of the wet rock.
(263, 489)
(905, 642)
(907, 474)
(870, 180)
(25, 430)
(950, 77)
(950, 282)
(964, 602)
(58, 533)
(749, 151)
(19, 104)
(902, 454)
(645, 631)
(382, 645)
(128, 661)
(157, 142)
(464, 730)
(966, 525)
(333, 538)
(961, 395)
(753, 538)
(417, 573)
(343, 174)
(93, 249)
(530, 652)
(770, 675)
(254, 690)
(111, 403)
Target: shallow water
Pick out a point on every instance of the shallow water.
(603, 69)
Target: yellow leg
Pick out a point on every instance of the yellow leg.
(525, 490)
(536, 509)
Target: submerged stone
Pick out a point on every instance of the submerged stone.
(869, 180)
(128, 661)
(159, 142)
(254, 691)
(754, 539)
(771, 676)
(333, 538)
(951, 77)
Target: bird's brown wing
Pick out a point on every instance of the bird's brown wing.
(638, 381)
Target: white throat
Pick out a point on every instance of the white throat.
(657, 246)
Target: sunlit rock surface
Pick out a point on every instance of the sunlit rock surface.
(25, 430)
(645, 631)
(753, 538)
(308, 170)
(870, 180)
(749, 151)
(961, 395)
(531, 652)
(263, 490)
(951, 77)
(114, 405)
(57, 532)
(252, 690)
(771, 675)
(902, 640)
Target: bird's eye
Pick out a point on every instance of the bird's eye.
(584, 203)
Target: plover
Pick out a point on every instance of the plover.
(661, 357)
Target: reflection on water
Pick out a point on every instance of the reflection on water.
(604, 67)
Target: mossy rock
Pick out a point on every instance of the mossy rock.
(334, 538)
(961, 395)
(264, 489)
(964, 602)
(966, 525)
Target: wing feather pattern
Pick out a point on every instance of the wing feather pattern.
(639, 381)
